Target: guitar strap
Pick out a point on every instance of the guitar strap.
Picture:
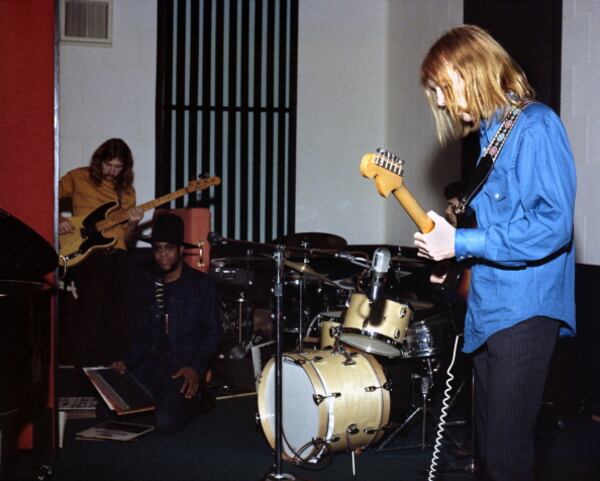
(486, 164)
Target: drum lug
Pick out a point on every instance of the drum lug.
(348, 355)
(370, 431)
(319, 398)
(352, 429)
(387, 386)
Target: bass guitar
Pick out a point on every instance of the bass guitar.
(88, 232)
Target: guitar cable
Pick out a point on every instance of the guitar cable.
(443, 415)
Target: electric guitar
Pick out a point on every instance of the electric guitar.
(89, 231)
(387, 169)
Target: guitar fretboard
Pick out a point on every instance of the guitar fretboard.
(121, 215)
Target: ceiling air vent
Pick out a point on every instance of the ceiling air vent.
(87, 21)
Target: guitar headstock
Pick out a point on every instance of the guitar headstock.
(203, 183)
(385, 168)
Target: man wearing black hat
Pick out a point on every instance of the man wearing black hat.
(178, 322)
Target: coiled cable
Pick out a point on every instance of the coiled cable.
(444, 412)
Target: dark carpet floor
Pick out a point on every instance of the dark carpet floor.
(227, 444)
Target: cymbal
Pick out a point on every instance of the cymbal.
(319, 240)
(409, 261)
(310, 272)
(303, 268)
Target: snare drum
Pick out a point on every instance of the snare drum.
(330, 324)
(382, 336)
(432, 336)
(331, 402)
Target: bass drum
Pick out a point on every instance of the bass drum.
(331, 402)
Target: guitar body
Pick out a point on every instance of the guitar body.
(77, 245)
(88, 234)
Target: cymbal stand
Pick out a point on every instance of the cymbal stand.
(301, 300)
(277, 472)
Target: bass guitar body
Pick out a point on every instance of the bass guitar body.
(77, 245)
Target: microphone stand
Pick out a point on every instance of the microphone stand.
(277, 473)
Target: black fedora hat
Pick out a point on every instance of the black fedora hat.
(167, 228)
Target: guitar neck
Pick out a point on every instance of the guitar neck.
(120, 216)
(413, 209)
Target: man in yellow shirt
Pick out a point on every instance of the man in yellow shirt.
(93, 322)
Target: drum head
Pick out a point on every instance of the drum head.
(300, 416)
(368, 344)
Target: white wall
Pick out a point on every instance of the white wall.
(357, 90)
(580, 111)
(341, 116)
(109, 92)
(413, 26)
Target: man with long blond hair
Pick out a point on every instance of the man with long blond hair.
(521, 251)
(94, 320)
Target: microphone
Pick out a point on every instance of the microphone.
(379, 268)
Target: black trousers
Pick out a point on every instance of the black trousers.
(173, 410)
(94, 327)
(510, 375)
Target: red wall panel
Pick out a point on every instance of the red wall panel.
(27, 120)
(27, 112)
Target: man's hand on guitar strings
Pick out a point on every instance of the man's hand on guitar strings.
(135, 214)
(439, 243)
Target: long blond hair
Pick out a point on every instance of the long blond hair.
(493, 80)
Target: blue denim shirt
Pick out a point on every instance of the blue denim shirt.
(522, 249)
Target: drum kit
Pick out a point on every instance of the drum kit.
(334, 392)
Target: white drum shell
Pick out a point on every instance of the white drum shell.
(363, 403)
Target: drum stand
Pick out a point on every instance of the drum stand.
(426, 383)
(302, 300)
